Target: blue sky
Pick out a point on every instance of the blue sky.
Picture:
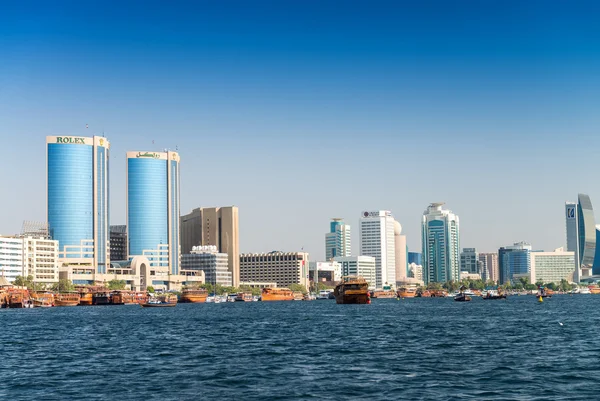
(301, 111)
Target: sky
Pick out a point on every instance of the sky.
(300, 111)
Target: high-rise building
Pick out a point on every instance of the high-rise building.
(218, 226)
(118, 242)
(514, 261)
(581, 235)
(441, 244)
(29, 256)
(283, 268)
(401, 252)
(469, 261)
(489, 263)
(415, 271)
(338, 240)
(377, 240)
(416, 258)
(78, 197)
(596, 265)
(325, 272)
(364, 266)
(153, 208)
(552, 267)
(211, 262)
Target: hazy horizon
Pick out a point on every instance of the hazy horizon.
(301, 112)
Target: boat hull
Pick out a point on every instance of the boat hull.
(384, 294)
(193, 299)
(85, 299)
(346, 298)
(65, 303)
(162, 305)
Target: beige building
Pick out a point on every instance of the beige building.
(283, 268)
(490, 263)
(29, 256)
(218, 226)
(552, 267)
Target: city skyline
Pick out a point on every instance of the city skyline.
(283, 93)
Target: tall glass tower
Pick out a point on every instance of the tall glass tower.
(441, 244)
(338, 240)
(78, 197)
(581, 234)
(153, 207)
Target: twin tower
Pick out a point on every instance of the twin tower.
(79, 207)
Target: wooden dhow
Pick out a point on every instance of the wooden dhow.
(352, 290)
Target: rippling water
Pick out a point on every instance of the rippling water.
(410, 349)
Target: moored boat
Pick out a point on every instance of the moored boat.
(407, 292)
(491, 294)
(85, 298)
(157, 303)
(439, 293)
(424, 294)
(352, 290)
(277, 294)
(17, 298)
(383, 294)
(122, 297)
(101, 298)
(298, 296)
(462, 297)
(244, 297)
(67, 299)
(42, 299)
(324, 294)
(594, 290)
(194, 295)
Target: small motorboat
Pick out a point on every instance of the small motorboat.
(158, 304)
(462, 296)
(494, 295)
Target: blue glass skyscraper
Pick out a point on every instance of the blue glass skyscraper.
(581, 235)
(77, 198)
(153, 206)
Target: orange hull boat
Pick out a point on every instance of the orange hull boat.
(405, 292)
(277, 294)
(195, 296)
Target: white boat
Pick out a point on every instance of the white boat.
(584, 290)
(210, 300)
(324, 294)
(255, 298)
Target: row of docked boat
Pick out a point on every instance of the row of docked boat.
(23, 298)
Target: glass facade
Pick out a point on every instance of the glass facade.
(70, 193)
(174, 218)
(101, 196)
(147, 210)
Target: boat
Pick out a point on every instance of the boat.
(324, 294)
(17, 298)
(352, 290)
(310, 297)
(101, 298)
(439, 293)
(277, 294)
(85, 298)
(585, 291)
(194, 295)
(383, 294)
(244, 297)
(542, 293)
(491, 294)
(42, 299)
(462, 296)
(407, 292)
(424, 294)
(158, 303)
(67, 299)
(298, 296)
(594, 290)
(121, 297)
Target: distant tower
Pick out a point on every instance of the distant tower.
(581, 235)
(377, 240)
(401, 253)
(338, 240)
(153, 206)
(441, 245)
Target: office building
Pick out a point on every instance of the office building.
(29, 256)
(441, 245)
(77, 198)
(581, 235)
(118, 242)
(415, 271)
(469, 261)
(377, 240)
(552, 267)
(213, 263)
(329, 272)
(153, 208)
(283, 268)
(596, 265)
(400, 251)
(514, 261)
(338, 240)
(364, 266)
(416, 258)
(218, 226)
(489, 263)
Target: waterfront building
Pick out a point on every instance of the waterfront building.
(77, 197)
(469, 261)
(596, 265)
(118, 242)
(364, 266)
(283, 268)
(213, 263)
(441, 244)
(217, 226)
(400, 251)
(29, 256)
(489, 264)
(415, 271)
(514, 261)
(377, 240)
(581, 235)
(552, 267)
(470, 276)
(416, 258)
(153, 206)
(325, 272)
(338, 239)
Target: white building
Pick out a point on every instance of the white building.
(326, 271)
(28, 256)
(377, 240)
(11, 258)
(211, 262)
(283, 268)
(441, 245)
(415, 271)
(552, 267)
(364, 266)
(338, 240)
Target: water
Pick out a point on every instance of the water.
(409, 349)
